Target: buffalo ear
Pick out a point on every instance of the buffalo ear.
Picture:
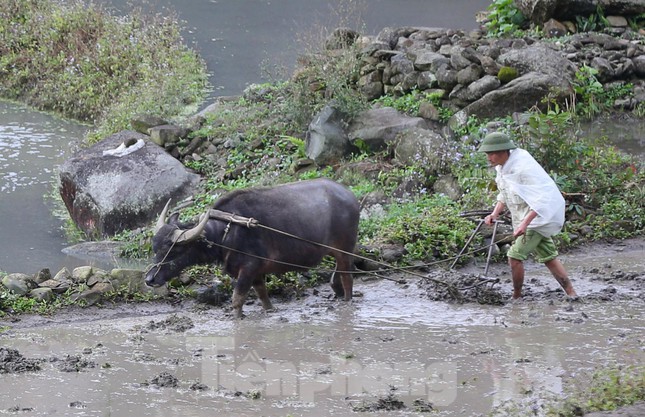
(174, 218)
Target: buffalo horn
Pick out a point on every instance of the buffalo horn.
(185, 236)
(162, 217)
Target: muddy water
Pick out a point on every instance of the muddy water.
(319, 357)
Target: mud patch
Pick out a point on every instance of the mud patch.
(73, 363)
(315, 355)
(163, 380)
(609, 272)
(390, 402)
(173, 324)
(11, 362)
(453, 286)
(19, 409)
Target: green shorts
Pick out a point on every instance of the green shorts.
(530, 242)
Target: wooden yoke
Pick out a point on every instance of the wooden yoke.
(232, 218)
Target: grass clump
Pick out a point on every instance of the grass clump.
(601, 390)
(77, 60)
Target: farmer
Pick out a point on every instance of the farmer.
(536, 206)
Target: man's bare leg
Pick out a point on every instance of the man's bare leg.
(560, 274)
(517, 272)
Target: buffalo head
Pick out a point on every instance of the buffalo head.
(174, 247)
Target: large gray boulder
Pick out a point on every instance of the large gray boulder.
(377, 128)
(544, 71)
(121, 183)
(422, 147)
(327, 141)
(539, 57)
(518, 95)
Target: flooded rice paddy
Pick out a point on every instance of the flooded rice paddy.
(391, 348)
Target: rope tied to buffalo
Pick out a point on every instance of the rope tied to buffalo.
(250, 222)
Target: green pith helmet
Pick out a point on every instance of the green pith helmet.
(496, 141)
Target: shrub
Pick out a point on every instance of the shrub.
(428, 226)
(504, 18)
(79, 61)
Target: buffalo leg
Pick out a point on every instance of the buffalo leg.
(240, 292)
(336, 284)
(342, 281)
(260, 287)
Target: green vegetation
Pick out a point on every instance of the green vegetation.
(594, 22)
(591, 97)
(428, 226)
(15, 304)
(602, 390)
(504, 18)
(636, 22)
(84, 63)
(410, 103)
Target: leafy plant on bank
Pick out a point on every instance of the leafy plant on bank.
(637, 22)
(410, 103)
(79, 61)
(503, 18)
(593, 23)
(14, 304)
(591, 97)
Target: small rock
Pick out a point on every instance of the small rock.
(63, 275)
(81, 274)
(74, 363)
(43, 275)
(77, 404)
(16, 283)
(212, 295)
(42, 294)
(94, 295)
(58, 287)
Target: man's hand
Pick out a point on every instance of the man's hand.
(521, 229)
(490, 219)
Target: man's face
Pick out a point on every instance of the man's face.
(497, 157)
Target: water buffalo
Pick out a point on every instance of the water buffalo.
(321, 213)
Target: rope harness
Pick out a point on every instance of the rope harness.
(250, 222)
